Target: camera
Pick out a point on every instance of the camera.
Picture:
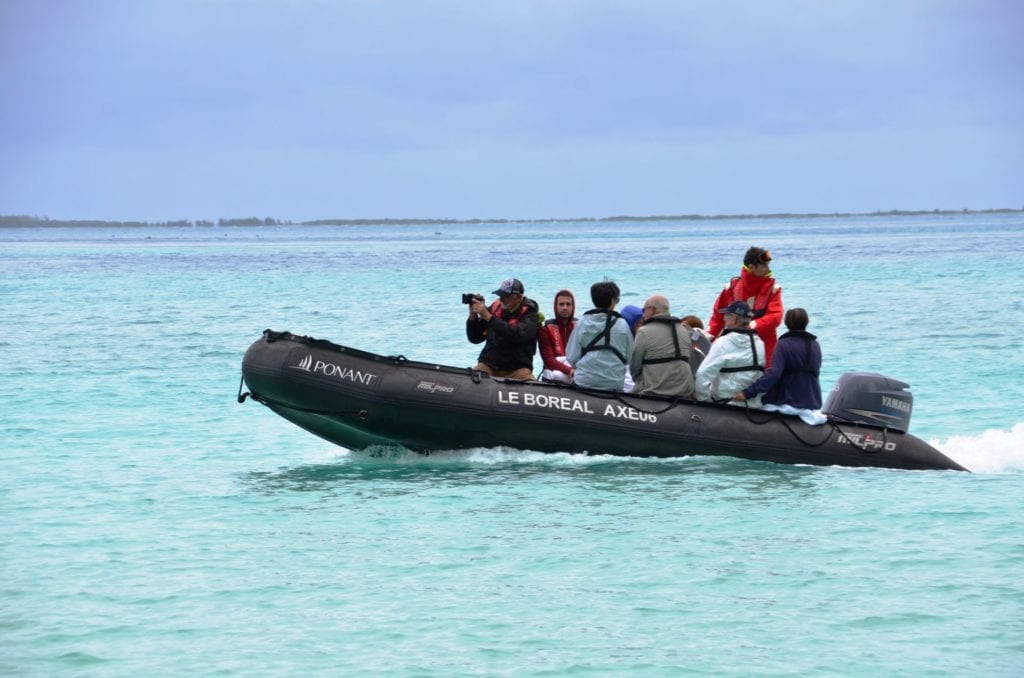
(469, 298)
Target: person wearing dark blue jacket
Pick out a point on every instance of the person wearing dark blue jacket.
(792, 378)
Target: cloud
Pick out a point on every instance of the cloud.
(517, 92)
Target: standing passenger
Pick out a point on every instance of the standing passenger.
(755, 286)
(553, 337)
(601, 345)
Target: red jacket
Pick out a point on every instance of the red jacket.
(764, 297)
(554, 335)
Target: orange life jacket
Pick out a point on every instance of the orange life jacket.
(553, 331)
(761, 297)
(498, 312)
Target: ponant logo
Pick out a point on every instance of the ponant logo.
(308, 364)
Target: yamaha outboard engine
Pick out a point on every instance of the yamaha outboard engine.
(871, 399)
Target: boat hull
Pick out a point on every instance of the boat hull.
(358, 400)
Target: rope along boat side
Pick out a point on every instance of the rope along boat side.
(358, 399)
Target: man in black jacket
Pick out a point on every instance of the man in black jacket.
(509, 326)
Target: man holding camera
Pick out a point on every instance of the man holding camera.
(509, 326)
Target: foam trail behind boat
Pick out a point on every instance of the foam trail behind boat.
(994, 451)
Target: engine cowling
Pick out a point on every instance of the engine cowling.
(871, 399)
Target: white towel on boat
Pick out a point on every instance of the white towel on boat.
(555, 375)
(809, 417)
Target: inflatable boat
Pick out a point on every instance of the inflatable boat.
(360, 400)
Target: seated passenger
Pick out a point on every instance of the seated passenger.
(601, 345)
(509, 328)
(791, 383)
(553, 336)
(632, 314)
(736, 358)
(661, 353)
(700, 341)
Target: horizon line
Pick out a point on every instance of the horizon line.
(35, 220)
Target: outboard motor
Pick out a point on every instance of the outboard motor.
(871, 399)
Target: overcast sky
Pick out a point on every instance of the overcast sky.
(189, 109)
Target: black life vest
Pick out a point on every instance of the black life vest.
(672, 324)
(606, 334)
(755, 366)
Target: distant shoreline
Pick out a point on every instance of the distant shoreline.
(26, 221)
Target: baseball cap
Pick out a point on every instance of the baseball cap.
(509, 286)
(740, 308)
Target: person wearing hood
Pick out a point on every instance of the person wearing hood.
(553, 337)
(509, 326)
(736, 358)
(757, 287)
(633, 315)
(601, 345)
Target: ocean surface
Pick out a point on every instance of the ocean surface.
(151, 525)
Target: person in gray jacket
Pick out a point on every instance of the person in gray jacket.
(661, 353)
(601, 344)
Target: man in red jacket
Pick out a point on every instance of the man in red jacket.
(554, 335)
(756, 286)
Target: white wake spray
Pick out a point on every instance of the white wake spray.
(994, 451)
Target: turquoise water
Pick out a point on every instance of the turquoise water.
(152, 525)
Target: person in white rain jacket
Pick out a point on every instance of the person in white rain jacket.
(736, 358)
